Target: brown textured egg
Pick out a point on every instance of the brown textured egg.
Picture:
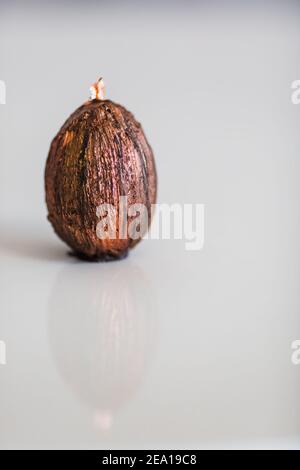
(99, 155)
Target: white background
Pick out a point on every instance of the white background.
(167, 348)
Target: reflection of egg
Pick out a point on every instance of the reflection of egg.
(101, 329)
(103, 420)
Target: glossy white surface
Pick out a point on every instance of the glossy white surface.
(167, 348)
(141, 353)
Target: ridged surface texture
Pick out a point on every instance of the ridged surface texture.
(100, 154)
